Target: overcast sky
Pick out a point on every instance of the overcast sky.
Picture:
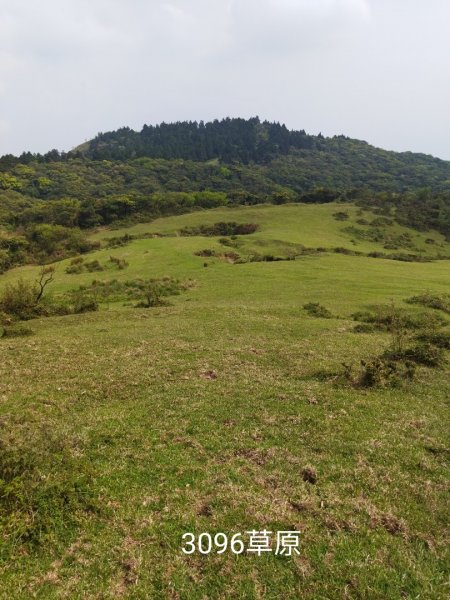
(377, 70)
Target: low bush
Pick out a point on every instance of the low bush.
(76, 266)
(15, 331)
(381, 222)
(208, 253)
(341, 216)
(82, 302)
(317, 310)
(364, 328)
(150, 292)
(441, 339)
(439, 302)
(220, 229)
(120, 263)
(20, 300)
(347, 251)
(118, 241)
(415, 340)
(93, 266)
(389, 318)
(423, 353)
(75, 269)
(380, 372)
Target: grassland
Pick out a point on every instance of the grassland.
(202, 416)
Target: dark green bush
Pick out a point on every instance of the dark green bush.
(152, 293)
(440, 302)
(19, 300)
(364, 328)
(424, 353)
(441, 339)
(347, 251)
(380, 372)
(221, 229)
(83, 302)
(387, 318)
(75, 269)
(15, 331)
(341, 216)
(317, 310)
(93, 266)
(118, 241)
(120, 263)
(207, 253)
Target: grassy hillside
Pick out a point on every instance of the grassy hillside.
(225, 411)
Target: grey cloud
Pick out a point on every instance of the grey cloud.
(373, 69)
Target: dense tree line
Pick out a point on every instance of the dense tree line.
(229, 140)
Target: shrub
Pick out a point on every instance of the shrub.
(205, 253)
(75, 269)
(380, 372)
(19, 300)
(364, 328)
(341, 216)
(424, 353)
(441, 339)
(391, 318)
(83, 302)
(5, 260)
(135, 289)
(118, 241)
(317, 310)
(221, 229)
(230, 256)
(152, 293)
(120, 263)
(401, 256)
(15, 331)
(381, 222)
(226, 241)
(93, 265)
(439, 302)
(341, 250)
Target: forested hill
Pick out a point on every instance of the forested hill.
(269, 151)
(229, 140)
(124, 176)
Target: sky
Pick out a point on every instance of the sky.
(377, 70)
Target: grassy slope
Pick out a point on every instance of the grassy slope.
(176, 452)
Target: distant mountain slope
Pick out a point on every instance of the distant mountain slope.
(231, 154)
(294, 158)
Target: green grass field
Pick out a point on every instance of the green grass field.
(202, 416)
